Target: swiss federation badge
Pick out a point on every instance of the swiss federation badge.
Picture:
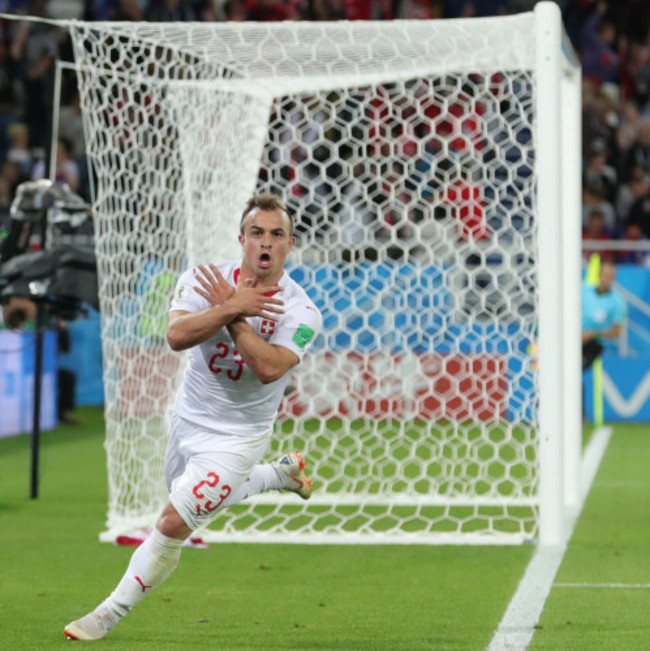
(267, 328)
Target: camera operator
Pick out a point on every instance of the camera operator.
(20, 314)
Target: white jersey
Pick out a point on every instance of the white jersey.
(219, 391)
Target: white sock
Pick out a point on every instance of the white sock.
(151, 564)
(263, 478)
(157, 557)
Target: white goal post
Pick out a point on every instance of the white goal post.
(433, 171)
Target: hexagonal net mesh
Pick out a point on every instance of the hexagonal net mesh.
(405, 151)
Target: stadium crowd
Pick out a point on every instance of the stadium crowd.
(612, 39)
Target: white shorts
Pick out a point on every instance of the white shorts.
(204, 467)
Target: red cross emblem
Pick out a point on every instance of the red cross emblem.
(267, 327)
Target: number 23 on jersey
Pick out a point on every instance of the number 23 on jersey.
(223, 350)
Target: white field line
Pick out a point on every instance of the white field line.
(621, 484)
(625, 586)
(517, 626)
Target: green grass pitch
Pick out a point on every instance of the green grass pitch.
(53, 569)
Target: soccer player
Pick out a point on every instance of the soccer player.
(603, 313)
(247, 324)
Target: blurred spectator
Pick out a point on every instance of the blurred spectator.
(9, 180)
(235, 10)
(638, 155)
(210, 10)
(273, 10)
(114, 9)
(599, 117)
(640, 214)
(325, 10)
(11, 96)
(632, 18)
(19, 151)
(67, 170)
(159, 11)
(598, 174)
(635, 188)
(71, 127)
(67, 378)
(593, 199)
(20, 314)
(463, 8)
(71, 131)
(600, 62)
(635, 71)
(100, 9)
(421, 9)
(627, 131)
(358, 9)
(34, 48)
(595, 230)
(634, 233)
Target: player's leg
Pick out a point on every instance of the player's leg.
(291, 468)
(591, 351)
(156, 559)
(151, 563)
(288, 473)
(202, 482)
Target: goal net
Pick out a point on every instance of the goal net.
(407, 154)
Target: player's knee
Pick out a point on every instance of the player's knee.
(171, 524)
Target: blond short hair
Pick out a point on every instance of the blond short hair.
(268, 202)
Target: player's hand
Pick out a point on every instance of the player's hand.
(213, 286)
(255, 301)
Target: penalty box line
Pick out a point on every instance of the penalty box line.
(517, 626)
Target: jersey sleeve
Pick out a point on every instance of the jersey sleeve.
(298, 328)
(186, 298)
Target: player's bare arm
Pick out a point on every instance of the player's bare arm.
(249, 297)
(267, 361)
(588, 335)
(613, 332)
(187, 329)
